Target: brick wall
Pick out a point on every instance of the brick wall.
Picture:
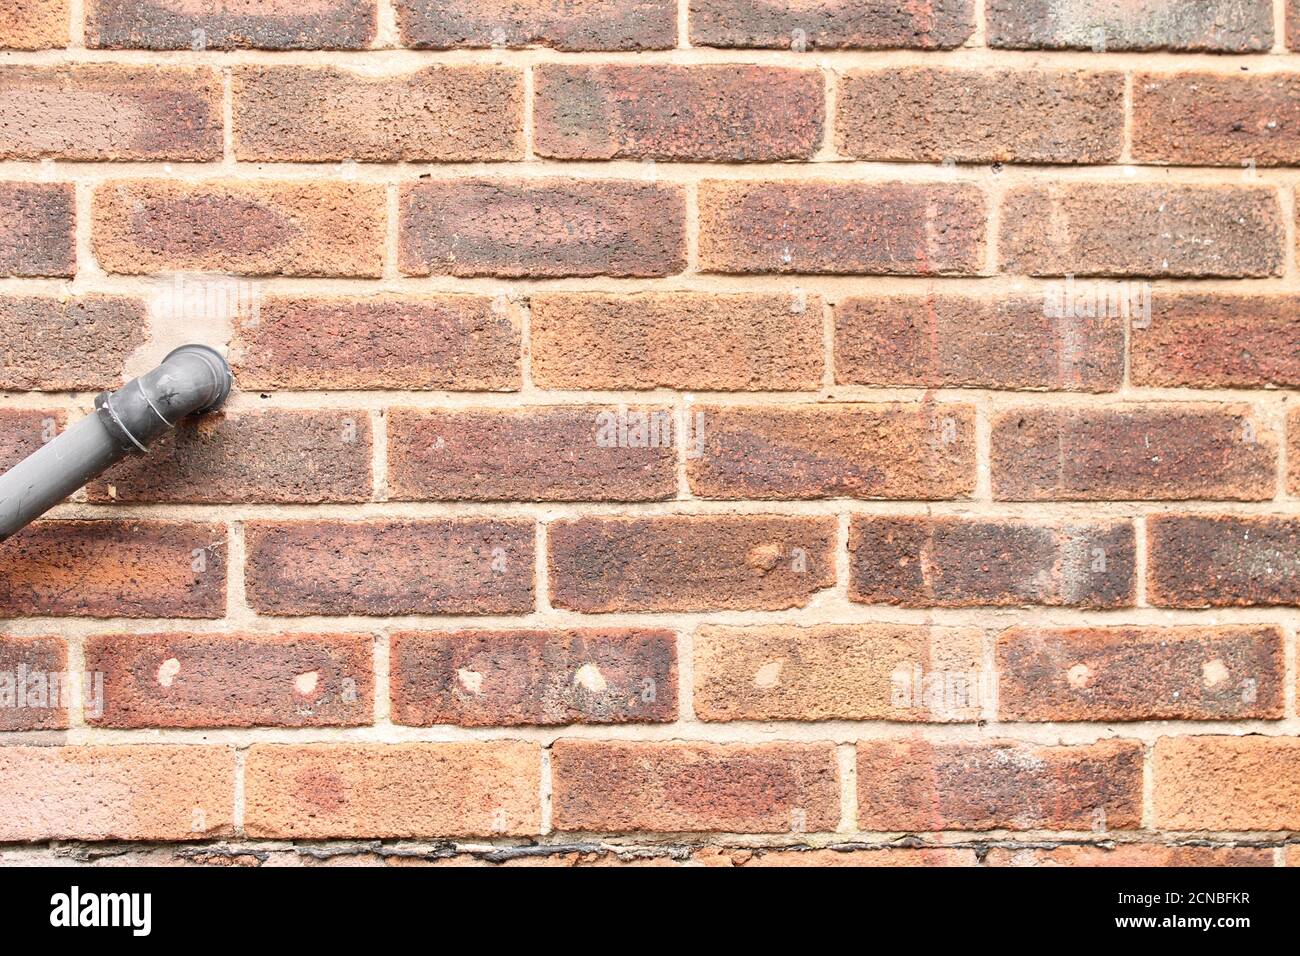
(717, 431)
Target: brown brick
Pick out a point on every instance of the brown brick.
(233, 680)
(1223, 560)
(1223, 26)
(469, 566)
(446, 342)
(33, 24)
(1293, 24)
(540, 453)
(542, 228)
(1218, 341)
(913, 450)
(1137, 673)
(34, 689)
(946, 341)
(67, 344)
(620, 786)
(969, 562)
(202, 25)
(518, 677)
(922, 114)
(135, 792)
(1227, 783)
(23, 432)
(838, 672)
(265, 227)
(731, 113)
(39, 221)
(914, 784)
(1293, 452)
(1131, 854)
(1153, 452)
(572, 25)
(318, 791)
(1166, 230)
(682, 340)
(832, 24)
(690, 563)
(437, 114)
(854, 856)
(841, 228)
(110, 112)
(115, 569)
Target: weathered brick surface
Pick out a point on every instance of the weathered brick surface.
(923, 114)
(1170, 452)
(267, 24)
(689, 563)
(914, 784)
(1177, 231)
(1293, 453)
(439, 114)
(573, 25)
(1223, 26)
(837, 672)
(266, 227)
(317, 791)
(67, 344)
(542, 228)
(1227, 783)
(701, 113)
(33, 24)
(852, 24)
(35, 690)
(1128, 673)
(514, 677)
(39, 221)
(468, 566)
(835, 228)
(920, 451)
(945, 341)
(23, 432)
(1223, 560)
(968, 562)
(681, 787)
(1131, 854)
(233, 680)
(1293, 24)
(110, 112)
(748, 342)
(543, 453)
(115, 569)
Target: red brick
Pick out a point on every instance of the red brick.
(690, 563)
(841, 228)
(468, 566)
(1134, 673)
(518, 677)
(838, 672)
(1293, 24)
(437, 114)
(115, 569)
(542, 228)
(1293, 452)
(24, 432)
(851, 856)
(1223, 560)
(732, 113)
(233, 680)
(110, 112)
(358, 791)
(914, 450)
(33, 24)
(969, 562)
(447, 342)
(1223, 26)
(573, 25)
(1153, 452)
(39, 221)
(952, 341)
(68, 344)
(832, 24)
(1218, 341)
(923, 114)
(203, 25)
(1227, 783)
(34, 689)
(621, 786)
(915, 784)
(135, 792)
(682, 340)
(540, 453)
(1167, 230)
(1131, 854)
(263, 227)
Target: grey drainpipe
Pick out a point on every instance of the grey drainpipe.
(191, 380)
